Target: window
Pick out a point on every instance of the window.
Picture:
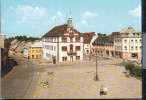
(77, 57)
(77, 39)
(64, 48)
(64, 39)
(140, 41)
(40, 55)
(131, 47)
(54, 48)
(36, 56)
(87, 45)
(32, 51)
(40, 51)
(131, 41)
(125, 41)
(140, 47)
(125, 47)
(71, 39)
(64, 58)
(36, 51)
(77, 48)
(48, 55)
(136, 41)
(135, 47)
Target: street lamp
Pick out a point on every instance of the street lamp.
(97, 79)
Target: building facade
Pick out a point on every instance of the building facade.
(34, 51)
(89, 38)
(64, 43)
(2, 37)
(129, 44)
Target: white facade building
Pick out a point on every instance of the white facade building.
(64, 43)
(89, 38)
(128, 44)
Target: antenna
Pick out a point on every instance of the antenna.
(65, 19)
(55, 21)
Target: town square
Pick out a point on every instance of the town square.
(71, 51)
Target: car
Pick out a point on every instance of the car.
(132, 60)
(139, 61)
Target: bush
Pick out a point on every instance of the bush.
(137, 71)
(129, 66)
(134, 70)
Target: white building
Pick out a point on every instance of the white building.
(26, 49)
(128, 44)
(63, 42)
(89, 38)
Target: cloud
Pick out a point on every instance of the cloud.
(53, 18)
(82, 23)
(60, 18)
(136, 12)
(28, 14)
(11, 7)
(90, 14)
(119, 25)
(30, 11)
(24, 20)
(59, 13)
(2, 21)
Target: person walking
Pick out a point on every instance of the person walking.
(101, 90)
(105, 90)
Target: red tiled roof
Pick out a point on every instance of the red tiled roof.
(111, 37)
(88, 36)
(58, 31)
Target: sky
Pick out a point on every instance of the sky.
(36, 17)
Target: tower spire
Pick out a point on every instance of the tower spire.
(55, 21)
(70, 21)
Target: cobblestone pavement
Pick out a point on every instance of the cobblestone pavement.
(76, 81)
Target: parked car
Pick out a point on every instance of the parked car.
(139, 61)
(132, 60)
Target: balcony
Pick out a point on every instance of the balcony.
(72, 53)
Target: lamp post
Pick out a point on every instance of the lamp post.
(38, 78)
(96, 64)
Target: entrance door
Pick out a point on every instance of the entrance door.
(32, 56)
(71, 58)
(71, 48)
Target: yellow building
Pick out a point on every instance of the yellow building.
(35, 50)
(2, 37)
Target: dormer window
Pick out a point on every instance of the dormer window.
(138, 34)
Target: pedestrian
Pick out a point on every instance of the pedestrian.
(123, 60)
(105, 90)
(101, 90)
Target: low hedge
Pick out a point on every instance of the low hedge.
(134, 70)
